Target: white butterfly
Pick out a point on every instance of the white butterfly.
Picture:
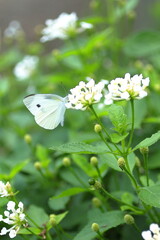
(48, 109)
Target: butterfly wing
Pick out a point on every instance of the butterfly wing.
(48, 109)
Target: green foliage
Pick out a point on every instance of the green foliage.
(31, 158)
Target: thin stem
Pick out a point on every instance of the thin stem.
(132, 178)
(120, 201)
(136, 227)
(145, 158)
(107, 134)
(100, 235)
(148, 212)
(132, 128)
(58, 233)
(99, 173)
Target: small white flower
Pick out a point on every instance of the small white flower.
(127, 88)
(85, 94)
(153, 233)
(13, 30)
(14, 217)
(5, 189)
(26, 67)
(63, 27)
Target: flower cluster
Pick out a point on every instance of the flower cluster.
(26, 67)
(85, 94)
(153, 233)
(5, 189)
(127, 88)
(14, 30)
(63, 27)
(13, 217)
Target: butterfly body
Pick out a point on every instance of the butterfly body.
(48, 109)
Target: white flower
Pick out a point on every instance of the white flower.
(13, 217)
(127, 88)
(63, 27)
(13, 30)
(5, 189)
(26, 67)
(153, 233)
(85, 94)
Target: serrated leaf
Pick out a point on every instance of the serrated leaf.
(118, 118)
(150, 195)
(70, 192)
(80, 147)
(148, 141)
(106, 221)
(116, 138)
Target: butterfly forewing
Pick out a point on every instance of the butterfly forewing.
(48, 109)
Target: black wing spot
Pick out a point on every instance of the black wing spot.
(38, 105)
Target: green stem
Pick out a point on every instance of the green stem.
(132, 178)
(99, 173)
(58, 233)
(132, 127)
(107, 134)
(148, 212)
(120, 201)
(66, 234)
(136, 227)
(77, 177)
(145, 158)
(100, 235)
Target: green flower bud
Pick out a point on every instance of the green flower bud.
(38, 165)
(131, 15)
(128, 219)
(95, 227)
(52, 220)
(94, 161)
(56, 53)
(96, 202)
(27, 138)
(97, 128)
(91, 181)
(138, 163)
(138, 64)
(144, 150)
(97, 185)
(66, 161)
(121, 162)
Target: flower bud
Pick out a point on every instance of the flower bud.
(138, 163)
(28, 138)
(144, 150)
(66, 161)
(121, 163)
(9, 189)
(96, 202)
(56, 53)
(91, 181)
(97, 185)
(94, 161)
(95, 227)
(131, 15)
(38, 165)
(52, 220)
(128, 219)
(97, 128)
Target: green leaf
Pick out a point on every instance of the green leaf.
(150, 195)
(38, 214)
(30, 230)
(106, 221)
(143, 44)
(70, 192)
(116, 138)
(118, 118)
(148, 141)
(80, 147)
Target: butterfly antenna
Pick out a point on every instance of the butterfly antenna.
(62, 85)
